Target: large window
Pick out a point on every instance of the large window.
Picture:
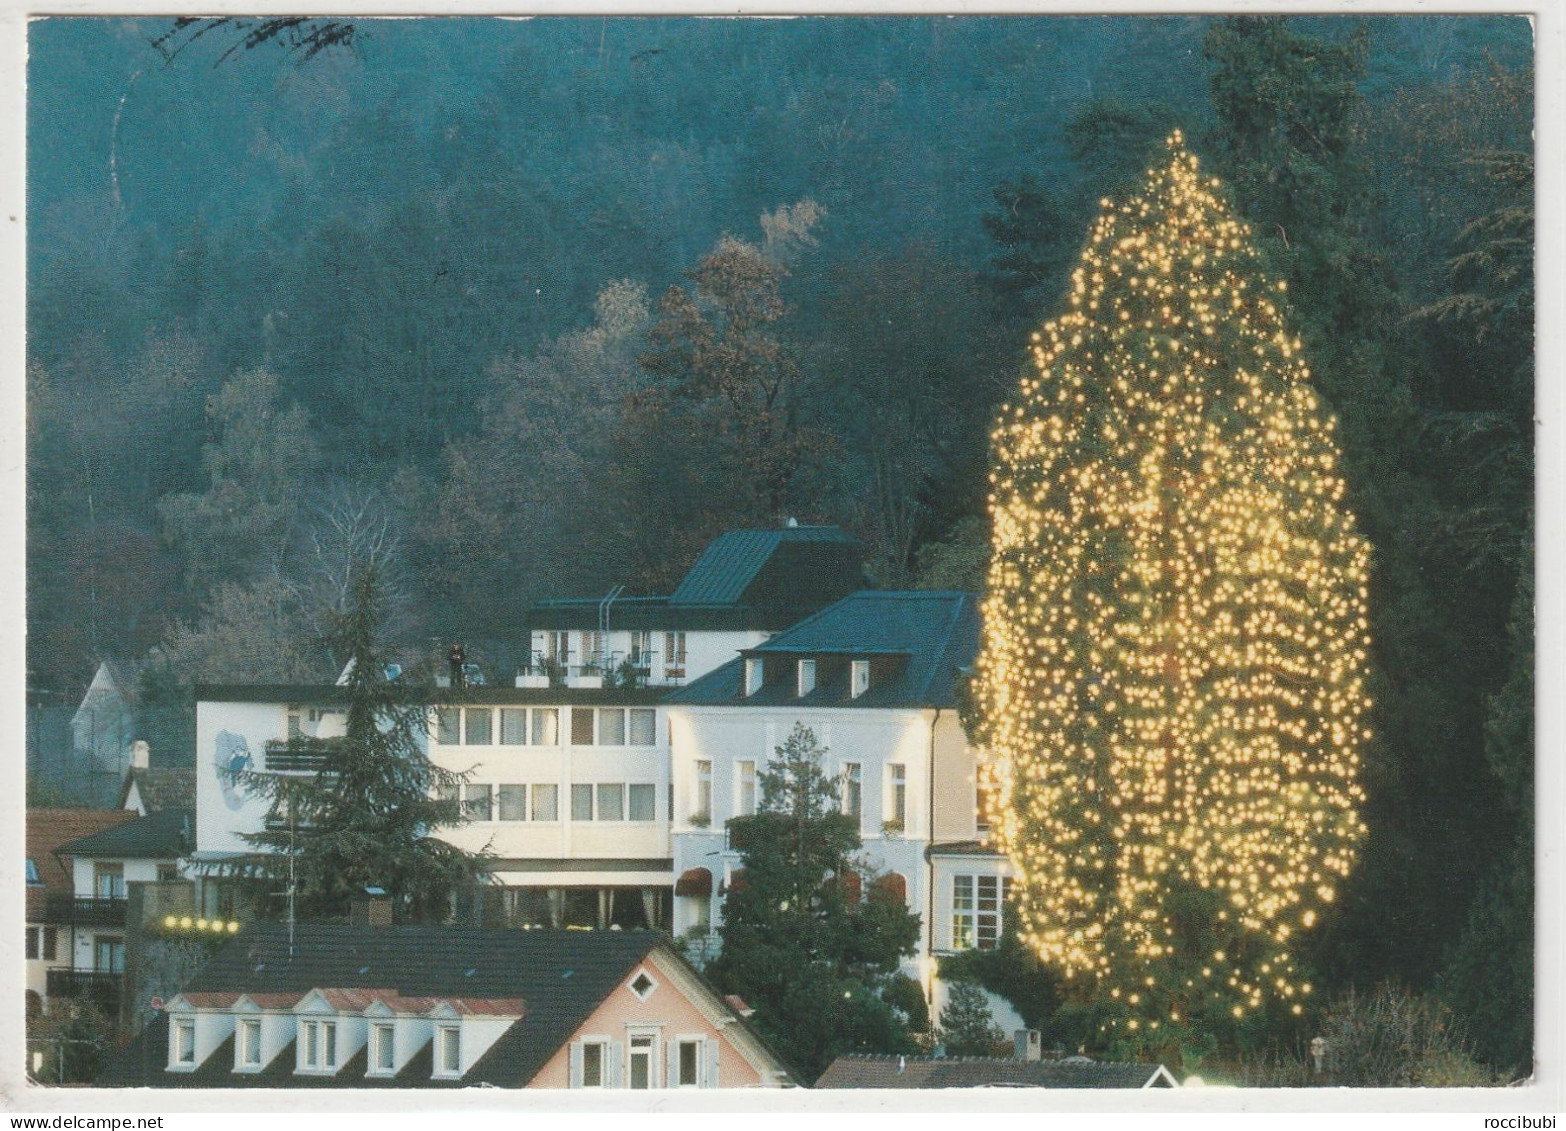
(513, 726)
(479, 729)
(448, 724)
(581, 726)
(478, 802)
(513, 802)
(643, 802)
(581, 803)
(608, 801)
(611, 801)
(611, 726)
(978, 903)
(546, 726)
(546, 802)
(853, 789)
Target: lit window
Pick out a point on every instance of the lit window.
(859, 678)
(183, 1051)
(807, 677)
(480, 730)
(382, 1040)
(643, 802)
(853, 789)
(644, 727)
(745, 803)
(450, 1044)
(978, 903)
(546, 802)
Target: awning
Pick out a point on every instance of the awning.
(694, 881)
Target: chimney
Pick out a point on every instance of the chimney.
(1030, 1044)
(370, 908)
(141, 755)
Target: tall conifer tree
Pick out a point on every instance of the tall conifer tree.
(1172, 679)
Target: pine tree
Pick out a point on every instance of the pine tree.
(367, 818)
(967, 1028)
(818, 964)
(1172, 679)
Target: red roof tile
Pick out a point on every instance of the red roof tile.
(47, 829)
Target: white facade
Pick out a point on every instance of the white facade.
(662, 657)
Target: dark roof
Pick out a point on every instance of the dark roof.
(563, 976)
(918, 642)
(744, 579)
(328, 695)
(163, 835)
(879, 1071)
(161, 787)
(47, 831)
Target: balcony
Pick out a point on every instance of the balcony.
(298, 756)
(102, 990)
(87, 911)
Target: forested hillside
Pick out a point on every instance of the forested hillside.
(529, 308)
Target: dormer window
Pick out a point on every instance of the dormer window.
(383, 1056)
(448, 1051)
(753, 675)
(317, 1046)
(182, 1043)
(247, 1039)
(858, 678)
(807, 677)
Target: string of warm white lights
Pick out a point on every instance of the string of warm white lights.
(1175, 638)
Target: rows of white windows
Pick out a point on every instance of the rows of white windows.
(540, 801)
(317, 1047)
(540, 726)
(590, 649)
(850, 792)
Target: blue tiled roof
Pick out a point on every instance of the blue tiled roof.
(732, 561)
(919, 639)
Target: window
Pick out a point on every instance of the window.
(642, 1060)
(643, 803)
(249, 1037)
(745, 780)
(853, 789)
(33, 878)
(546, 802)
(318, 1045)
(450, 1050)
(295, 728)
(546, 726)
(108, 955)
(641, 648)
(674, 654)
(688, 1065)
(611, 801)
(977, 904)
(513, 726)
(644, 727)
(983, 805)
(477, 802)
(701, 809)
(479, 729)
(450, 795)
(897, 796)
(382, 1048)
(858, 678)
(611, 726)
(182, 1050)
(108, 881)
(807, 677)
(754, 672)
(593, 1063)
(50, 944)
(581, 803)
(643, 985)
(513, 802)
(168, 873)
(593, 648)
(34, 941)
(581, 726)
(448, 720)
(558, 646)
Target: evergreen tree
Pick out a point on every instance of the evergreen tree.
(1172, 679)
(818, 964)
(966, 1026)
(366, 818)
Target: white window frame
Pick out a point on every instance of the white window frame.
(247, 1044)
(853, 787)
(972, 922)
(448, 1039)
(604, 1046)
(806, 678)
(674, 654)
(696, 1041)
(651, 1037)
(755, 675)
(182, 1044)
(373, 1065)
(858, 678)
(897, 795)
(744, 788)
(701, 800)
(630, 984)
(317, 1045)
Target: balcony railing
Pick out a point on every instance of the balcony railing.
(87, 911)
(297, 757)
(102, 989)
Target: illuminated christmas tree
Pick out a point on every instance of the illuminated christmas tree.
(1172, 681)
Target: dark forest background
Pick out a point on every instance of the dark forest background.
(524, 309)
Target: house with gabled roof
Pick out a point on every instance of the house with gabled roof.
(433, 1007)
